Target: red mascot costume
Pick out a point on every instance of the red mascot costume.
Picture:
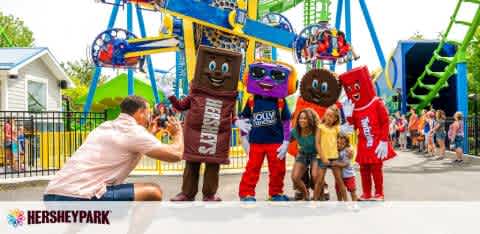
(369, 116)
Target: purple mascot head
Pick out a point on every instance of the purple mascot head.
(271, 79)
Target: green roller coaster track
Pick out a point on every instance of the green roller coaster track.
(276, 6)
(313, 10)
(442, 76)
(318, 10)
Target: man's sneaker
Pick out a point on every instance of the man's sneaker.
(211, 198)
(181, 197)
(365, 197)
(378, 197)
(248, 199)
(279, 198)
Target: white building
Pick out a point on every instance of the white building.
(31, 79)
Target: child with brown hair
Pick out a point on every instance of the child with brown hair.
(345, 162)
(326, 144)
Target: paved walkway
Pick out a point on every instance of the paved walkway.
(409, 177)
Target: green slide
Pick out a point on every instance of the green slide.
(442, 76)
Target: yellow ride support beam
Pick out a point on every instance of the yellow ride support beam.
(225, 30)
(252, 9)
(189, 42)
(161, 36)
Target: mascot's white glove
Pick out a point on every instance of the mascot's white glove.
(282, 150)
(167, 90)
(347, 108)
(244, 125)
(245, 144)
(382, 150)
(346, 128)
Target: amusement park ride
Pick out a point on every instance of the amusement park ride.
(250, 26)
(228, 24)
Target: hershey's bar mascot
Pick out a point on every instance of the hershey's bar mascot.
(369, 116)
(269, 83)
(207, 125)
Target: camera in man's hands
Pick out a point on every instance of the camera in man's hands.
(164, 112)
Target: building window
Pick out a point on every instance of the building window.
(37, 96)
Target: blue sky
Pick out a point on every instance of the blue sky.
(68, 27)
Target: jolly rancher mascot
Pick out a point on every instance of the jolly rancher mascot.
(269, 83)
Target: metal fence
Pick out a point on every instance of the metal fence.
(39, 143)
(473, 130)
(238, 160)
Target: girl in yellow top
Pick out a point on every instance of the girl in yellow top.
(326, 144)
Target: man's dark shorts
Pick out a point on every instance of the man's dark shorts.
(121, 192)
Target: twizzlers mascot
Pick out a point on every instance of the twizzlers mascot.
(207, 125)
(369, 116)
(319, 89)
(269, 83)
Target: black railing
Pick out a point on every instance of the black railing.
(39, 143)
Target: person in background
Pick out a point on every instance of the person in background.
(397, 133)
(392, 129)
(440, 133)
(456, 135)
(21, 149)
(163, 113)
(426, 130)
(421, 132)
(401, 127)
(7, 142)
(413, 127)
(429, 133)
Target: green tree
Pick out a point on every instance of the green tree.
(14, 32)
(81, 73)
(417, 36)
(81, 69)
(473, 63)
